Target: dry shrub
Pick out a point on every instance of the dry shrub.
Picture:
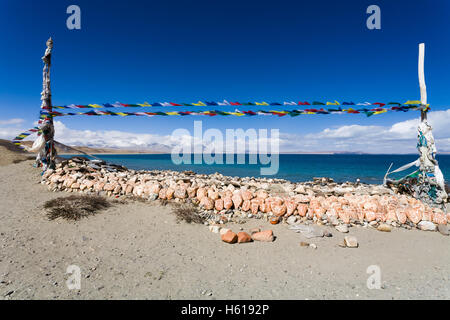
(163, 202)
(187, 212)
(75, 207)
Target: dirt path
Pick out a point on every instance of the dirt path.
(137, 250)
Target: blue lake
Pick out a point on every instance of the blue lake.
(293, 167)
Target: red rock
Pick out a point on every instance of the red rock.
(117, 189)
(254, 206)
(278, 210)
(69, 182)
(207, 203)
(155, 188)
(229, 236)
(227, 194)
(213, 194)
(274, 220)
(262, 194)
(192, 192)
(319, 212)
(370, 215)
(237, 201)
(88, 183)
(381, 216)
(180, 192)
(391, 215)
(246, 195)
(218, 204)
(227, 203)
(414, 214)
(109, 187)
(275, 200)
(201, 193)
(290, 207)
(99, 186)
(401, 215)
(75, 185)
(129, 189)
(439, 218)
(344, 216)
(138, 190)
(266, 236)
(254, 230)
(162, 193)
(300, 198)
(427, 214)
(246, 205)
(263, 207)
(302, 209)
(243, 237)
(169, 193)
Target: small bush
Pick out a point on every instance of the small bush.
(75, 207)
(188, 213)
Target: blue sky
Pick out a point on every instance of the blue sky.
(185, 51)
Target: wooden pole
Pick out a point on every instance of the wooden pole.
(423, 87)
(48, 154)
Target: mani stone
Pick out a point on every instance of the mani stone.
(351, 242)
(427, 226)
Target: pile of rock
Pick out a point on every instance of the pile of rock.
(321, 200)
(228, 236)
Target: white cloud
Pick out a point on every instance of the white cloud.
(10, 128)
(398, 138)
(14, 121)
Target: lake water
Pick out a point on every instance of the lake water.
(293, 167)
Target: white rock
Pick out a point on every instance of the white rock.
(427, 226)
(351, 242)
(214, 229)
(291, 220)
(342, 228)
(223, 231)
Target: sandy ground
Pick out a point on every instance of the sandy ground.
(138, 251)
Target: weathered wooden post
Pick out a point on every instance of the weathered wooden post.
(431, 184)
(427, 182)
(47, 153)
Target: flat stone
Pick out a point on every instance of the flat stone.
(229, 237)
(244, 237)
(310, 231)
(427, 226)
(443, 229)
(223, 231)
(351, 242)
(342, 228)
(384, 227)
(266, 236)
(291, 220)
(214, 229)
